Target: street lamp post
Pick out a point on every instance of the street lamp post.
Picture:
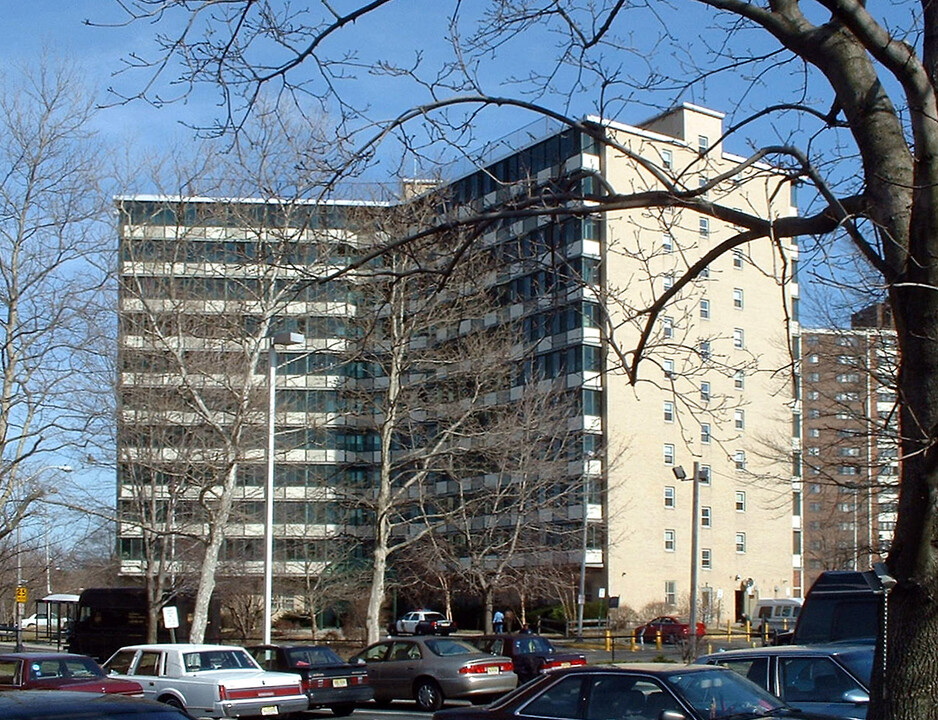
(694, 550)
(19, 558)
(279, 339)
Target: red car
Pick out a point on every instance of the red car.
(672, 630)
(60, 671)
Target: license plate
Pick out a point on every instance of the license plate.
(270, 710)
(492, 670)
(340, 682)
(564, 664)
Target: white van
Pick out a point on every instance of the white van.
(776, 614)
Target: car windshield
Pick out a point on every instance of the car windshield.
(719, 693)
(306, 656)
(447, 646)
(218, 660)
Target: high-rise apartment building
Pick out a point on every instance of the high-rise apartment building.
(712, 390)
(851, 443)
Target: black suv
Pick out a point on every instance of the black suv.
(844, 605)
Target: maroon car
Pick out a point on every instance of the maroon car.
(672, 630)
(531, 654)
(60, 671)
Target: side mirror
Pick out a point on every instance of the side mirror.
(856, 696)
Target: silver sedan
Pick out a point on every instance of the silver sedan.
(430, 670)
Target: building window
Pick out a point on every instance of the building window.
(705, 272)
(705, 433)
(738, 298)
(669, 541)
(737, 258)
(705, 391)
(814, 432)
(667, 242)
(740, 542)
(814, 395)
(703, 143)
(740, 501)
(668, 454)
(668, 328)
(667, 159)
(813, 377)
(705, 350)
(739, 338)
(669, 497)
(706, 517)
(814, 451)
(668, 367)
(668, 281)
(701, 184)
(703, 474)
(704, 227)
(739, 417)
(706, 559)
(739, 380)
(669, 412)
(670, 592)
(705, 309)
(739, 459)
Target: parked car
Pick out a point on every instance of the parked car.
(430, 670)
(327, 679)
(68, 705)
(38, 620)
(423, 622)
(637, 692)
(672, 630)
(843, 606)
(531, 654)
(825, 679)
(208, 680)
(54, 671)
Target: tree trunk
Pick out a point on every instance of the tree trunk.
(216, 539)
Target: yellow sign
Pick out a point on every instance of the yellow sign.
(22, 594)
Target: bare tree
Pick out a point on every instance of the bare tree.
(429, 368)
(52, 278)
(512, 508)
(194, 340)
(868, 84)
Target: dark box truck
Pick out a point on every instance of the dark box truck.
(107, 619)
(843, 605)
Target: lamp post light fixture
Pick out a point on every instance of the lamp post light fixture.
(19, 559)
(680, 474)
(281, 339)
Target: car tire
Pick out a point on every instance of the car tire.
(172, 702)
(428, 695)
(343, 710)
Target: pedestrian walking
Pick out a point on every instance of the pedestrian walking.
(498, 621)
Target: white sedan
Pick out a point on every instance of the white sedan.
(209, 680)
